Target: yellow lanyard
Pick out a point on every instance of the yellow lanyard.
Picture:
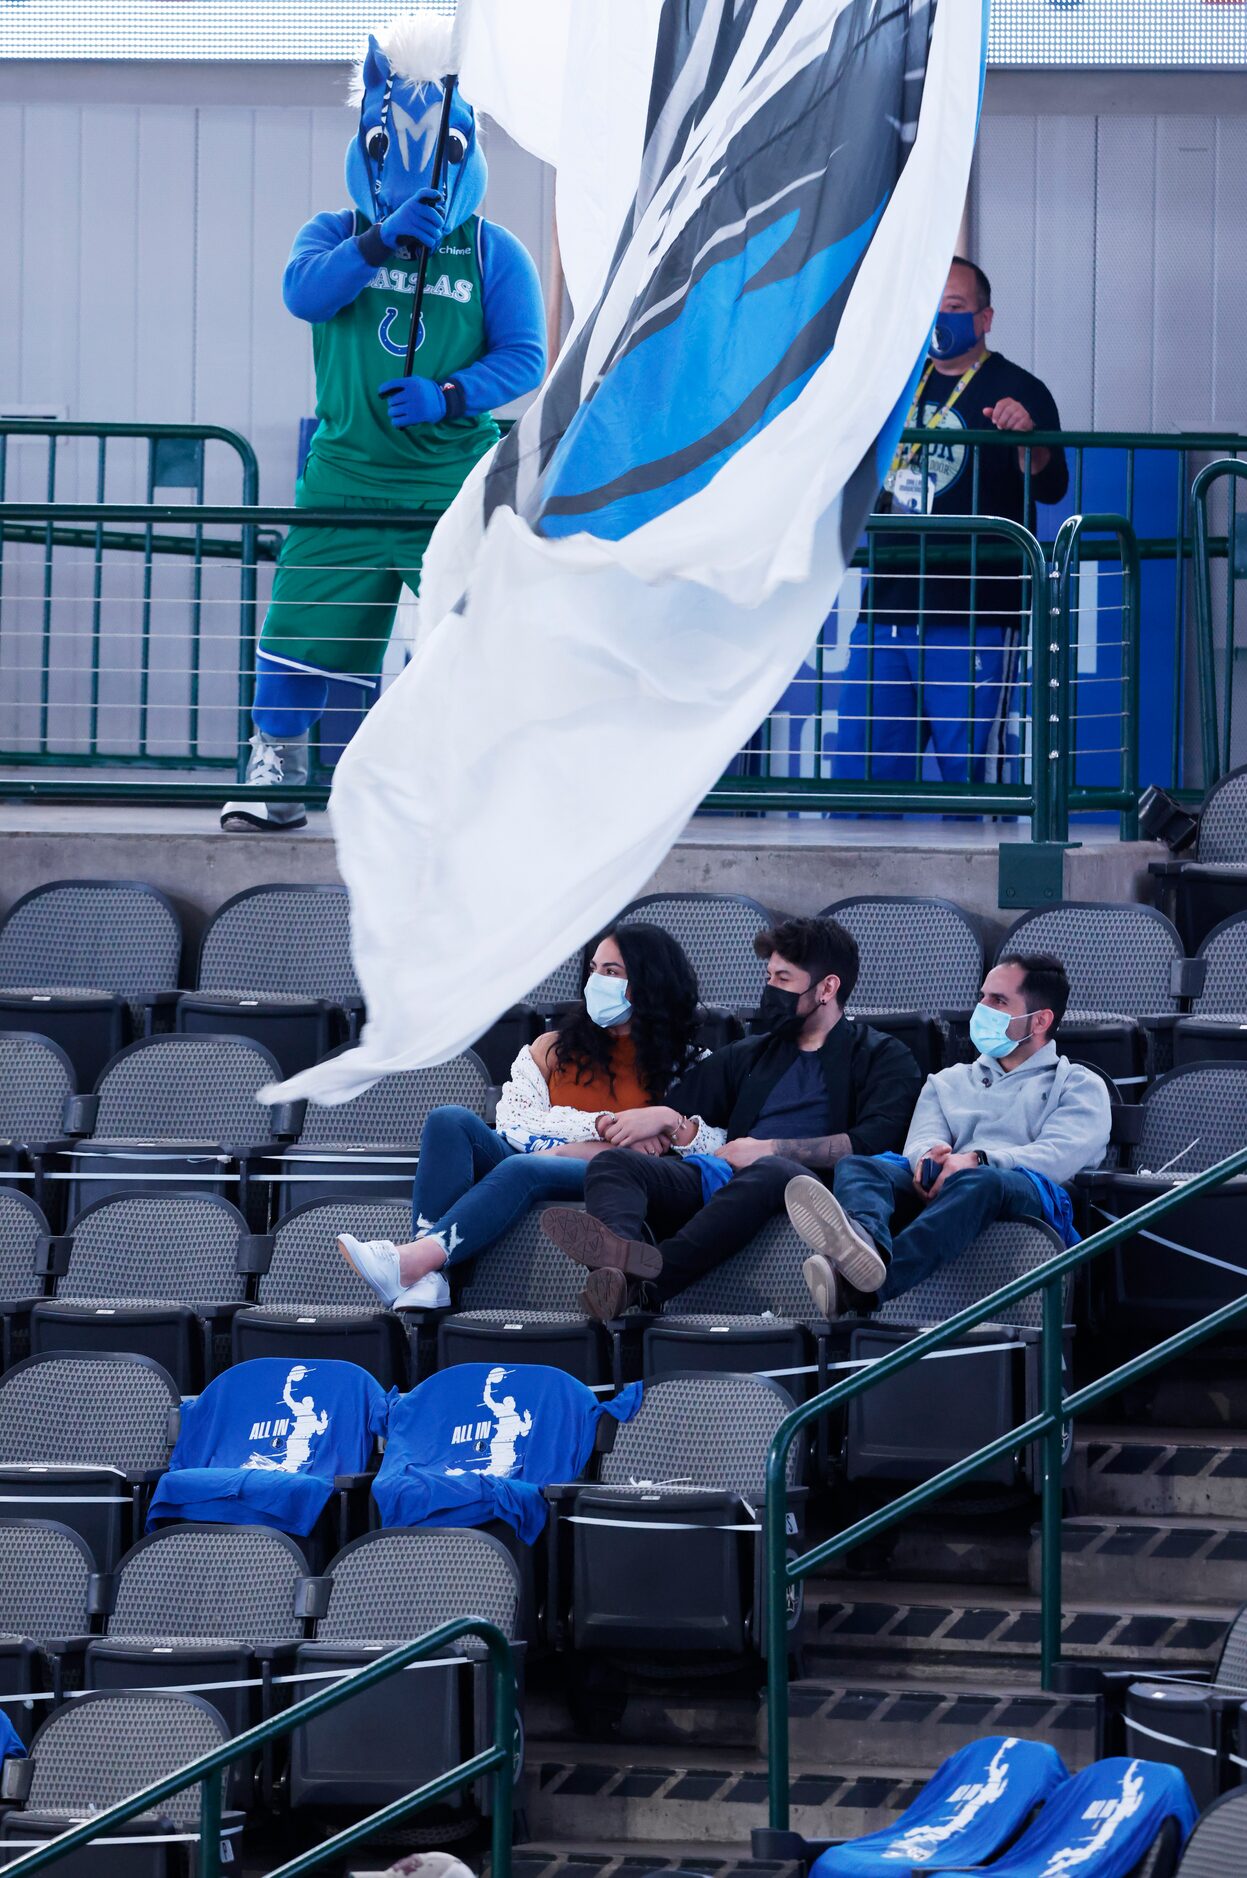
(905, 457)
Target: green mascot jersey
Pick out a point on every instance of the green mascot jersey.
(335, 590)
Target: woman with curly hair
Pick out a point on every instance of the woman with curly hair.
(616, 1050)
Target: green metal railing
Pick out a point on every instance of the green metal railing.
(1232, 547)
(1048, 677)
(1048, 1427)
(43, 520)
(1071, 548)
(209, 1770)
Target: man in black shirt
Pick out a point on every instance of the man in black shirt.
(952, 691)
(811, 1089)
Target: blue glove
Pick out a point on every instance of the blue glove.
(414, 401)
(420, 221)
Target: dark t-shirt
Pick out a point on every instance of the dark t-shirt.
(951, 489)
(797, 1108)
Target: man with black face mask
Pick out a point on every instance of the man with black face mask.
(810, 1087)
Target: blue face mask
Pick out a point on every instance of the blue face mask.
(953, 334)
(989, 1032)
(606, 1000)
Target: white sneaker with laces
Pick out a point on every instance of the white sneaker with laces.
(430, 1293)
(376, 1261)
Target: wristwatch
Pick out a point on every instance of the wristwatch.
(982, 1158)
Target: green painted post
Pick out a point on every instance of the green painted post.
(210, 1825)
(1053, 1349)
(775, 1565)
(504, 1773)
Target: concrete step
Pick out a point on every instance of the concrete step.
(1201, 1395)
(606, 1795)
(909, 1624)
(1174, 1473)
(1155, 1561)
(686, 1714)
(602, 1861)
(947, 1549)
(867, 1723)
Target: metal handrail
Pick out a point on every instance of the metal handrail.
(1067, 556)
(1216, 751)
(209, 1769)
(1047, 1426)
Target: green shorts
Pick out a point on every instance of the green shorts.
(336, 589)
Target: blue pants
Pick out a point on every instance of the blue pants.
(287, 703)
(471, 1184)
(874, 1192)
(948, 698)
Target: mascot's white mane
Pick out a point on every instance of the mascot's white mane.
(420, 46)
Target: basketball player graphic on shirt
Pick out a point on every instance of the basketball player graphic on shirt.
(509, 1427)
(306, 1424)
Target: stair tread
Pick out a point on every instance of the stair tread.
(1131, 1435)
(1167, 1522)
(980, 1597)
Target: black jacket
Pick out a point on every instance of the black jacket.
(873, 1083)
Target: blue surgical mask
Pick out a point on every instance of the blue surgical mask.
(606, 1000)
(989, 1032)
(953, 334)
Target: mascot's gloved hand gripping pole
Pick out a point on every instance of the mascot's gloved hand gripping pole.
(411, 276)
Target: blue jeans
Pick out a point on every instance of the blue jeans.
(874, 1192)
(904, 700)
(471, 1184)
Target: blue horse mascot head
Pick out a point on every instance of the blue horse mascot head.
(399, 87)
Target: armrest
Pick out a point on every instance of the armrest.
(1187, 977)
(1169, 1695)
(157, 1004)
(52, 1252)
(287, 1120)
(604, 1434)
(559, 1492)
(79, 1114)
(1126, 1127)
(102, 1594)
(311, 1598)
(353, 1483)
(15, 1781)
(255, 1255)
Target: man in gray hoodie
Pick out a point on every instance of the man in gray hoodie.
(993, 1139)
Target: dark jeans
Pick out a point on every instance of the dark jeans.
(471, 1184)
(644, 1196)
(875, 1193)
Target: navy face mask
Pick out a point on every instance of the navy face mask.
(953, 334)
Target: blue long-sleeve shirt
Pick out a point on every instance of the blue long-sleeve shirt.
(330, 265)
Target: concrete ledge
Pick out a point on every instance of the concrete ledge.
(791, 866)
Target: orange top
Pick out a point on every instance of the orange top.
(594, 1093)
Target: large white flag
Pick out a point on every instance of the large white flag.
(625, 586)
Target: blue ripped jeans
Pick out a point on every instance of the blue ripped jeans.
(471, 1185)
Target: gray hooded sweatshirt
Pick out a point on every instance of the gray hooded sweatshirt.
(1049, 1114)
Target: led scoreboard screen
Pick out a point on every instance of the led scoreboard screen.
(1154, 33)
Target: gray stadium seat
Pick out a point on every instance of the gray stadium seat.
(921, 968)
(517, 1303)
(380, 1592)
(205, 1604)
(1204, 1717)
(936, 1412)
(159, 1274)
(23, 1228)
(46, 1605)
(1123, 962)
(717, 931)
(560, 987)
(87, 963)
(1199, 892)
(1215, 1847)
(36, 1082)
(367, 1149)
(1145, 1288)
(98, 1751)
(170, 1112)
(751, 1315)
(1217, 1027)
(84, 1438)
(275, 964)
(311, 1302)
(666, 1547)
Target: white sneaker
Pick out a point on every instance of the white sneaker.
(430, 1293)
(827, 1229)
(376, 1261)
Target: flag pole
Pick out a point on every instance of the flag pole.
(422, 269)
